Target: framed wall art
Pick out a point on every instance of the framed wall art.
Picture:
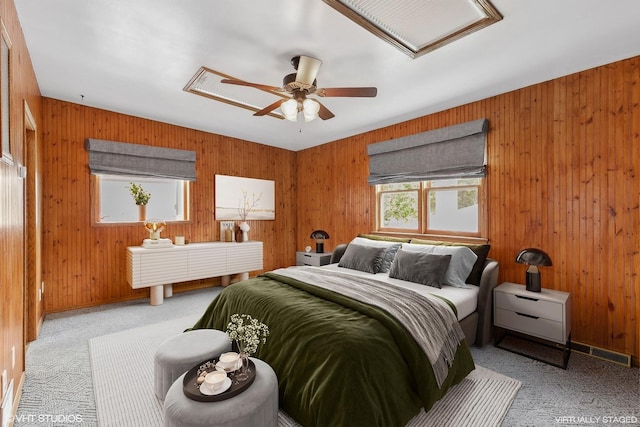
(239, 198)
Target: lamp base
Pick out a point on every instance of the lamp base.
(319, 248)
(533, 282)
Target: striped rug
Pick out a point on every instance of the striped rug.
(122, 371)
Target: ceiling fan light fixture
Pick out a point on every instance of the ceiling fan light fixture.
(310, 109)
(307, 70)
(290, 109)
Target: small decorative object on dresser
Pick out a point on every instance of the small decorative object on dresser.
(545, 315)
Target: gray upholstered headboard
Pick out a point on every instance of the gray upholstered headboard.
(482, 320)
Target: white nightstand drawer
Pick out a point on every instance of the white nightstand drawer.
(530, 305)
(313, 258)
(537, 327)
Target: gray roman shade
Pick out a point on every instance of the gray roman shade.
(452, 152)
(121, 158)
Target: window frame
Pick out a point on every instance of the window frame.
(96, 207)
(423, 211)
(5, 87)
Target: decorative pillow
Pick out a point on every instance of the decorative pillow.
(481, 250)
(462, 260)
(390, 250)
(363, 258)
(420, 267)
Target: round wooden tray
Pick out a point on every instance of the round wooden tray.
(191, 387)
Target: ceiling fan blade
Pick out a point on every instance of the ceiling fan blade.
(348, 91)
(255, 85)
(324, 112)
(307, 70)
(269, 108)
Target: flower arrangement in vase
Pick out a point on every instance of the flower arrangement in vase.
(141, 198)
(247, 333)
(244, 210)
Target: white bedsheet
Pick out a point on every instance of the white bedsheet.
(465, 300)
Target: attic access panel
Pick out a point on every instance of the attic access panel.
(419, 26)
(207, 82)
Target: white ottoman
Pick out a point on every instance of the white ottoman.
(178, 354)
(257, 406)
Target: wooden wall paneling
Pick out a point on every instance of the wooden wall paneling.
(85, 264)
(563, 165)
(633, 293)
(13, 215)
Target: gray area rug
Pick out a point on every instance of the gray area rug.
(122, 369)
(58, 379)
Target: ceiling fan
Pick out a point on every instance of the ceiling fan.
(297, 86)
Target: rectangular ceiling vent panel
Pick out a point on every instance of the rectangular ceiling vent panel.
(207, 82)
(419, 26)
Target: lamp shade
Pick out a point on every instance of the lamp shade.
(290, 110)
(319, 235)
(533, 258)
(310, 109)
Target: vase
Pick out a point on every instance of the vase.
(243, 372)
(245, 231)
(142, 212)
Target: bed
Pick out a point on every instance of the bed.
(358, 348)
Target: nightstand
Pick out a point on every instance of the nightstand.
(313, 258)
(545, 315)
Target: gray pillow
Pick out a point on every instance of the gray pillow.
(363, 258)
(390, 253)
(462, 260)
(420, 267)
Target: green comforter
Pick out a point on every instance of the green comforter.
(339, 362)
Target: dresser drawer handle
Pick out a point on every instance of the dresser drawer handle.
(527, 298)
(527, 315)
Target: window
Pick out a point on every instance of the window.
(452, 206)
(114, 203)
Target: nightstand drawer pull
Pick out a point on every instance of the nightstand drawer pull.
(527, 298)
(527, 315)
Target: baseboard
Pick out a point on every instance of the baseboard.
(601, 353)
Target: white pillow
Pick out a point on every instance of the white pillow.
(462, 261)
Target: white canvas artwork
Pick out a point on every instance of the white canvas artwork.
(239, 198)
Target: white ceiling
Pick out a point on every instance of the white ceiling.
(135, 57)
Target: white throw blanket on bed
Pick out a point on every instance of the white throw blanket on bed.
(428, 319)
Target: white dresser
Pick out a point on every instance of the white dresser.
(159, 268)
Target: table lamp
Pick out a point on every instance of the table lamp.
(533, 258)
(319, 235)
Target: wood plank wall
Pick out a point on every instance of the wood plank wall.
(85, 265)
(563, 176)
(23, 88)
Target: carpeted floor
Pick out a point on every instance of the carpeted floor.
(481, 399)
(58, 389)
